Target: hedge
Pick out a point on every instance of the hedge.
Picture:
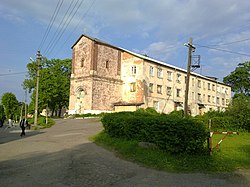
(170, 133)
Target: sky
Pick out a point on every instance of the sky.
(157, 28)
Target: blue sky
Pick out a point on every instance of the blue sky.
(158, 28)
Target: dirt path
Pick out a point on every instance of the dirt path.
(63, 156)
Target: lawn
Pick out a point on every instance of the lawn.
(234, 153)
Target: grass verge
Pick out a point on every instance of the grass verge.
(234, 154)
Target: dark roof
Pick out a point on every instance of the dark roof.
(212, 79)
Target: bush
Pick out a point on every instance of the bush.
(175, 135)
(41, 121)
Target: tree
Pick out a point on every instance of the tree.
(54, 84)
(10, 104)
(239, 110)
(239, 79)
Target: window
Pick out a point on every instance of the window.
(169, 90)
(178, 92)
(227, 101)
(192, 81)
(199, 83)
(199, 97)
(132, 87)
(185, 79)
(223, 101)
(218, 88)
(160, 73)
(107, 64)
(156, 105)
(169, 75)
(151, 87)
(213, 87)
(218, 100)
(133, 70)
(208, 86)
(204, 85)
(82, 62)
(192, 95)
(159, 89)
(226, 91)
(209, 98)
(178, 79)
(204, 97)
(213, 99)
(223, 90)
(151, 71)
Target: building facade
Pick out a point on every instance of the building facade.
(107, 78)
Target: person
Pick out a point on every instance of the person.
(22, 125)
(27, 124)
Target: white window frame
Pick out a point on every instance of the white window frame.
(151, 87)
(133, 70)
(170, 75)
(133, 87)
(151, 71)
(169, 90)
(159, 89)
(178, 78)
(159, 72)
(178, 92)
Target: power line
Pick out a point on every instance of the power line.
(17, 73)
(52, 20)
(78, 24)
(58, 29)
(67, 25)
(229, 43)
(223, 50)
(67, 22)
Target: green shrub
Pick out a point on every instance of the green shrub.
(170, 133)
(41, 121)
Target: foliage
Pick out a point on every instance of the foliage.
(54, 84)
(1, 111)
(10, 104)
(235, 118)
(41, 122)
(174, 135)
(239, 79)
(239, 111)
(220, 161)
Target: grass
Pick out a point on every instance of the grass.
(41, 121)
(234, 153)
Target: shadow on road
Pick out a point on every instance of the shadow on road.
(90, 165)
(13, 133)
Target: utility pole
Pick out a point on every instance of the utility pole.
(37, 85)
(25, 106)
(191, 49)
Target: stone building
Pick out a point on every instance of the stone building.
(108, 78)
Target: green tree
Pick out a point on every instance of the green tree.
(239, 79)
(54, 84)
(239, 110)
(10, 104)
(1, 111)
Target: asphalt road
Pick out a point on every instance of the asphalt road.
(63, 156)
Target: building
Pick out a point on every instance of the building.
(109, 78)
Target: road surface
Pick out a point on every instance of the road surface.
(63, 156)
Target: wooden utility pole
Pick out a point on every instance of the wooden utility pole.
(190, 50)
(37, 85)
(25, 105)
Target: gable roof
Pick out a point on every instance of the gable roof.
(212, 79)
